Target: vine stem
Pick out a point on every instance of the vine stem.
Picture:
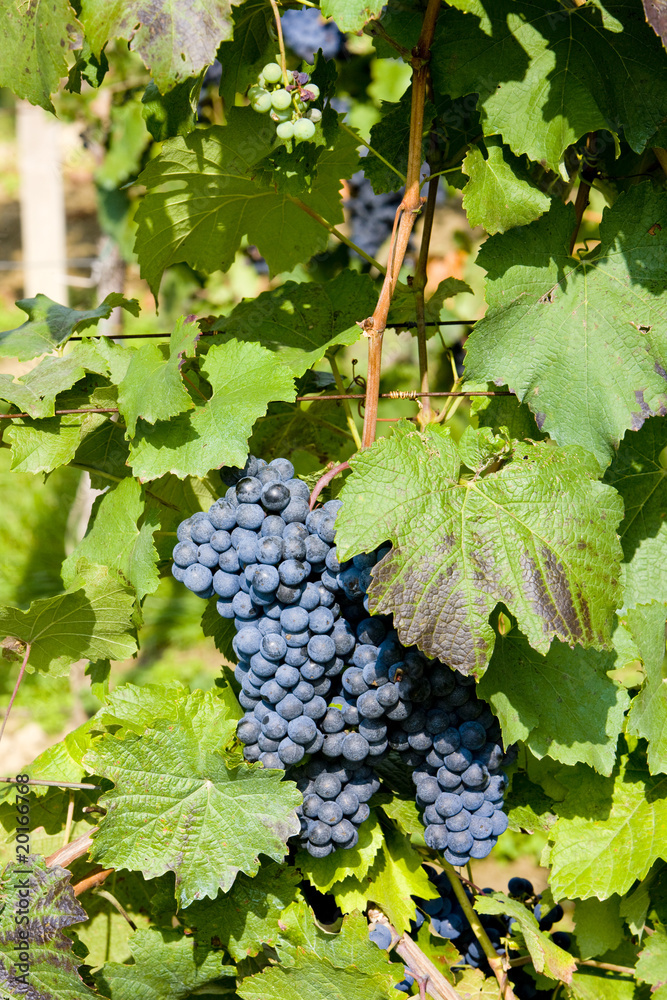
(406, 213)
(346, 405)
(336, 232)
(624, 970)
(419, 286)
(75, 849)
(489, 951)
(16, 687)
(325, 480)
(92, 881)
(372, 150)
(281, 41)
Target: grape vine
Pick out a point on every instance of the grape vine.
(383, 709)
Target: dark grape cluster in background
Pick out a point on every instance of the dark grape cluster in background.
(447, 919)
(305, 31)
(371, 216)
(322, 679)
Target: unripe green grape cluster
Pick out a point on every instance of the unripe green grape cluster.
(287, 105)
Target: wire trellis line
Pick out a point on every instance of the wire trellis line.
(299, 399)
(408, 325)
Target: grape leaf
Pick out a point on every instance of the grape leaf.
(639, 473)
(128, 139)
(175, 41)
(547, 75)
(93, 618)
(37, 38)
(605, 312)
(655, 15)
(175, 113)
(326, 872)
(43, 445)
(103, 451)
(133, 709)
(302, 321)
(499, 193)
(592, 984)
(403, 307)
(244, 379)
(221, 630)
(538, 535)
(51, 325)
(152, 387)
(243, 57)
(247, 917)
(538, 700)
(600, 852)
(652, 965)
(62, 761)
(648, 712)
(320, 966)
(317, 428)
(167, 966)
(391, 138)
(351, 15)
(547, 957)
(51, 971)
(474, 985)
(36, 391)
(115, 539)
(178, 805)
(395, 876)
(599, 926)
(203, 195)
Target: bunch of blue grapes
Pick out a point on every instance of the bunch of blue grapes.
(306, 31)
(288, 102)
(448, 920)
(371, 216)
(321, 678)
(335, 804)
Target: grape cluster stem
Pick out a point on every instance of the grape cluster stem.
(490, 952)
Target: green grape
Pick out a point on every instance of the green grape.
(314, 90)
(272, 72)
(262, 103)
(315, 115)
(282, 116)
(304, 129)
(255, 91)
(285, 130)
(281, 99)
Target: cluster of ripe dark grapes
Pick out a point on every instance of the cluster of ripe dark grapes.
(371, 216)
(321, 678)
(287, 101)
(448, 920)
(305, 31)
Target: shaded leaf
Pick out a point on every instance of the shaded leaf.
(37, 39)
(648, 711)
(225, 199)
(562, 705)
(639, 473)
(599, 926)
(547, 75)
(391, 138)
(167, 966)
(652, 964)
(606, 311)
(51, 325)
(538, 535)
(171, 114)
(93, 618)
(547, 957)
(36, 391)
(302, 321)
(175, 41)
(600, 851)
